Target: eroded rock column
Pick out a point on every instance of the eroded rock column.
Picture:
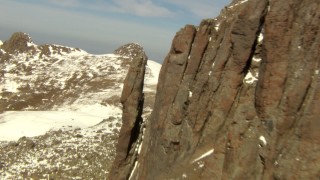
(132, 100)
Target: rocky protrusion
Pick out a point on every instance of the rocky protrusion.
(132, 99)
(19, 42)
(237, 97)
(129, 50)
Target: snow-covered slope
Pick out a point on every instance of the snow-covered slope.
(54, 77)
(70, 98)
(16, 124)
(59, 78)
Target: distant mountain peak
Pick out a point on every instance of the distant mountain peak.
(19, 41)
(129, 50)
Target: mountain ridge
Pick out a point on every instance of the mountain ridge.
(60, 108)
(48, 71)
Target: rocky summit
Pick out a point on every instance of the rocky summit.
(237, 98)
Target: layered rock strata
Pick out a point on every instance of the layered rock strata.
(238, 97)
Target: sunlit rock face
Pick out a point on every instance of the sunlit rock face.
(132, 100)
(238, 97)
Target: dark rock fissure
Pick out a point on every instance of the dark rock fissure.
(132, 99)
(137, 127)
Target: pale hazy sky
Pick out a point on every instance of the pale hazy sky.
(101, 26)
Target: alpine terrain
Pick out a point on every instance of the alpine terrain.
(238, 98)
(60, 108)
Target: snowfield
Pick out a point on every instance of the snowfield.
(16, 124)
(153, 69)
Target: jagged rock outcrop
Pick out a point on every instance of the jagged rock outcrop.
(19, 42)
(130, 50)
(132, 99)
(238, 97)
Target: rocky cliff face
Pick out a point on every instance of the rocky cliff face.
(132, 100)
(238, 97)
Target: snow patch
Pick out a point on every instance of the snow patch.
(10, 86)
(139, 147)
(76, 52)
(317, 71)
(134, 169)
(200, 164)
(242, 1)
(217, 26)
(95, 109)
(249, 78)
(263, 140)
(203, 155)
(256, 59)
(110, 55)
(184, 175)
(16, 124)
(29, 44)
(260, 38)
(1, 43)
(190, 94)
(138, 150)
(237, 4)
(152, 78)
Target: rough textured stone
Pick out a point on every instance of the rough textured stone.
(18, 42)
(130, 50)
(237, 97)
(132, 99)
